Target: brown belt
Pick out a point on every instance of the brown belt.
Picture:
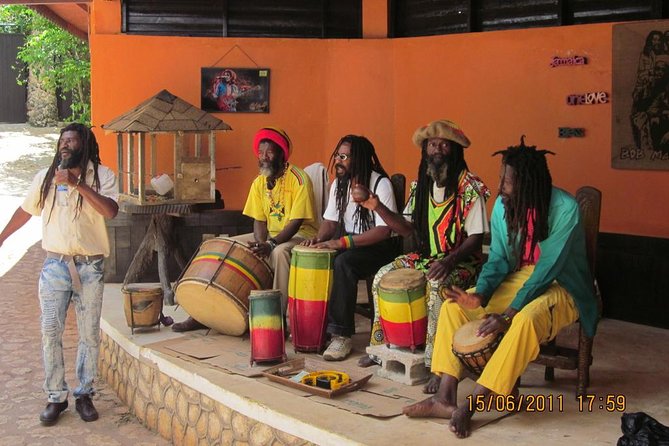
(71, 260)
(75, 258)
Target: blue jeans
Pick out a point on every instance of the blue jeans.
(55, 294)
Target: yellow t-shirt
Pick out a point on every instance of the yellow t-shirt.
(291, 199)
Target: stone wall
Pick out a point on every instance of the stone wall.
(42, 104)
(177, 412)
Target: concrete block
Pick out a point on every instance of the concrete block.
(400, 364)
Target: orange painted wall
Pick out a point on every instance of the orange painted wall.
(499, 86)
(496, 85)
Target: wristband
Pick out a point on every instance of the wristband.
(272, 243)
(347, 242)
(506, 318)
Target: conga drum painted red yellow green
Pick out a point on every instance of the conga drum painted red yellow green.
(215, 286)
(403, 308)
(309, 285)
(266, 326)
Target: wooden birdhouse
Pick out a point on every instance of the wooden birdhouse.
(180, 141)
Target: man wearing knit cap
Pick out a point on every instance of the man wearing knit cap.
(281, 204)
(361, 236)
(446, 211)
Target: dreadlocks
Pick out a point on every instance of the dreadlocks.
(90, 151)
(363, 162)
(455, 165)
(531, 197)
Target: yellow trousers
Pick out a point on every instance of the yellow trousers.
(538, 322)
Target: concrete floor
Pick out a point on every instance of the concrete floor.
(630, 363)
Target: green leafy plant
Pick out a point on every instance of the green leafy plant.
(58, 59)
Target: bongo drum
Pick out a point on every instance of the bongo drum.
(215, 286)
(142, 304)
(474, 351)
(266, 326)
(309, 286)
(403, 307)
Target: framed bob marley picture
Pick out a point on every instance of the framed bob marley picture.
(235, 90)
(640, 115)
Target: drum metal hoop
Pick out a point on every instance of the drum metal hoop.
(220, 265)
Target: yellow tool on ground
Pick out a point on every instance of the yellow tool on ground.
(326, 379)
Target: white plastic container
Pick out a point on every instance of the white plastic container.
(162, 184)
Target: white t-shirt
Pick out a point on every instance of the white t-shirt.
(384, 189)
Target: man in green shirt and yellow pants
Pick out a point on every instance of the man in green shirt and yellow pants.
(535, 282)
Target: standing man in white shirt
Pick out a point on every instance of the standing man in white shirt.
(73, 196)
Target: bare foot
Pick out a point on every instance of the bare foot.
(460, 422)
(432, 384)
(366, 361)
(430, 408)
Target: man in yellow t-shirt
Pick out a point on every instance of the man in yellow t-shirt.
(281, 204)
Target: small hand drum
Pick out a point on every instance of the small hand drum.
(142, 305)
(474, 351)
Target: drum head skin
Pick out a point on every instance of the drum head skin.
(466, 341)
(213, 307)
(309, 249)
(402, 279)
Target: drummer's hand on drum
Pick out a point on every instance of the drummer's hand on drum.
(329, 244)
(440, 269)
(261, 249)
(463, 298)
(309, 242)
(494, 323)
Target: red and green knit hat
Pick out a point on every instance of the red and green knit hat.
(276, 135)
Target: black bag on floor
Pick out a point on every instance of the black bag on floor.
(640, 429)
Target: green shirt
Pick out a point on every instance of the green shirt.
(563, 258)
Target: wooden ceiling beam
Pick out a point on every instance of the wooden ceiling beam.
(59, 21)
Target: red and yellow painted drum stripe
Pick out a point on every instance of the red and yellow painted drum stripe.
(403, 315)
(240, 268)
(266, 326)
(309, 285)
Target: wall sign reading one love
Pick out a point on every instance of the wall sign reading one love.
(600, 97)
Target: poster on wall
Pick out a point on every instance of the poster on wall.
(235, 90)
(640, 99)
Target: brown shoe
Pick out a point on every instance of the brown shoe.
(86, 408)
(50, 415)
(189, 324)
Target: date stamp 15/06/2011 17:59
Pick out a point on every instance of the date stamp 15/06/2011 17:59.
(545, 403)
